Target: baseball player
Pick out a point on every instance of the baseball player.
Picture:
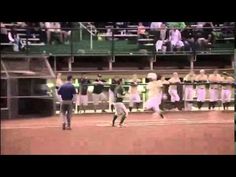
(201, 89)
(120, 109)
(226, 91)
(59, 83)
(214, 80)
(154, 89)
(82, 99)
(173, 89)
(98, 94)
(68, 95)
(188, 89)
(134, 93)
(113, 85)
(164, 90)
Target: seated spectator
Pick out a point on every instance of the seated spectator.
(66, 30)
(206, 38)
(188, 38)
(53, 28)
(175, 40)
(141, 31)
(15, 39)
(121, 25)
(36, 28)
(155, 26)
(155, 29)
(200, 27)
(162, 42)
(4, 37)
(109, 34)
(229, 29)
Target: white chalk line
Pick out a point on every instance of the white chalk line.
(128, 123)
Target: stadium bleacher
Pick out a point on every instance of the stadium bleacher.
(133, 45)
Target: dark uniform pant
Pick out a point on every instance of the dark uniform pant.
(66, 111)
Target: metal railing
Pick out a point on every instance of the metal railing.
(111, 42)
(166, 98)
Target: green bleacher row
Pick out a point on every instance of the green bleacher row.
(100, 46)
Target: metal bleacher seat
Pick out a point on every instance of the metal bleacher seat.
(21, 32)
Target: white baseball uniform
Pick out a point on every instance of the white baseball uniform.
(59, 83)
(134, 94)
(214, 88)
(226, 91)
(173, 89)
(154, 95)
(201, 89)
(189, 90)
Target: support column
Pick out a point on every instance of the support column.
(192, 62)
(55, 64)
(110, 64)
(70, 64)
(233, 59)
(151, 63)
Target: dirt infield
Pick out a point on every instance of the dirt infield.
(179, 133)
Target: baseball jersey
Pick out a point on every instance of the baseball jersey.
(228, 80)
(59, 83)
(98, 88)
(189, 78)
(201, 79)
(119, 93)
(83, 89)
(172, 81)
(133, 89)
(214, 79)
(113, 85)
(154, 88)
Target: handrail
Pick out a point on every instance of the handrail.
(131, 28)
(90, 31)
(145, 84)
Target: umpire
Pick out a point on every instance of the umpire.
(68, 95)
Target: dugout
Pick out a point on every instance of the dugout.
(24, 90)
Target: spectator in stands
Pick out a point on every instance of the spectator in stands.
(155, 26)
(206, 38)
(188, 38)
(162, 42)
(36, 29)
(175, 39)
(53, 29)
(229, 29)
(155, 29)
(15, 39)
(141, 30)
(109, 34)
(66, 30)
(4, 37)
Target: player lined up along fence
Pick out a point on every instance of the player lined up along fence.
(196, 91)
